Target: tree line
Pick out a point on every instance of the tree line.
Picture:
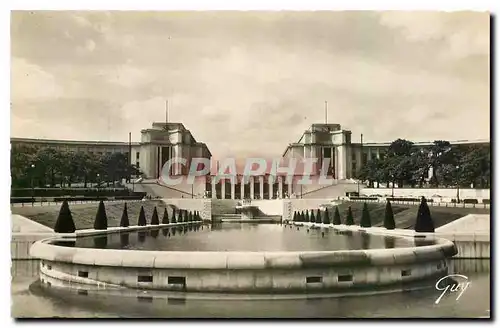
(50, 167)
(405, 164)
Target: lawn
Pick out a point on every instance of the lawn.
(84, 214)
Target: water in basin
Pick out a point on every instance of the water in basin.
(243, 237)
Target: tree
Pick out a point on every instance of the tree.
(312, 219)
(389, 217)
(326, 217)
(142, 217)
(424, 220)
(64, 223)
(164, 220)
(365, 217)
(101, 219)
(190, 217)
(173, 216)
(318, 217)
(294, 219)
(154, 217)
(307, 216)
(439, 155)
(349, 219)
(124, 221)
(336, 216)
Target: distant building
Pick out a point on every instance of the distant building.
(346, 158)
(164, 141)
(158, 144)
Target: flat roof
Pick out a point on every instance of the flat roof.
(74, 142)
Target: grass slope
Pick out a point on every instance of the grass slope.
(406, 215)
(84, 214)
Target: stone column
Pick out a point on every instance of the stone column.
(290, 183)
(242, 188)
(223, 188)
(261, 186)
(280, 186)
(252, 187)
(270, 182)
(214, 190)
(233, 183)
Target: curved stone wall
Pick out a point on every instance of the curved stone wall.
(249, 272)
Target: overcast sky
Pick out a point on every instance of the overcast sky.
(250, 83)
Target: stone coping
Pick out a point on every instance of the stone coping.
(241, 260)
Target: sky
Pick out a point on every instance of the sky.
(249, 83)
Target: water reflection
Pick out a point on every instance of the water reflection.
(141, 236)
(101, 241)
(246, 237)
(29, 299)
(124, 240)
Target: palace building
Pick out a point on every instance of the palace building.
(165, 141)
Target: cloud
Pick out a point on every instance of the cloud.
(250, 83)
(30, 81)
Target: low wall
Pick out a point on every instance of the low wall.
(248, 272)
(203, 205)
(447, 194)
(291, 205)
(24, 233)
(20, 244)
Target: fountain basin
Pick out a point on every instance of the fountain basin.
(241, 271)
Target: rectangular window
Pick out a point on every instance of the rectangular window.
(313, 279)
(137, 155)
(345, 277)
(83, 274)
(137, 164)
(405, 273)
(173, 280)
(144, 278)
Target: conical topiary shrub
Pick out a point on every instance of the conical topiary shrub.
(174, 220)
(154, 217)
(142, 218)
(64, 223)
(349, 219)
(124, 221)
(389, 217)
(424, 221)
(101, 219)
(307, 216)
(326, 217)
(318, 216)
(294, 219)
(365, 217)
(165, 217)
(312, 218)
(190, 218)
(336, 216)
